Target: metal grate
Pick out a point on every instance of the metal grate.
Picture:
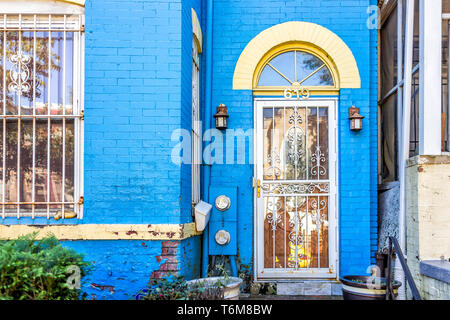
(296, 188)
(42, 115)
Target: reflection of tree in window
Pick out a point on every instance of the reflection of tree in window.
(314, 63)
(42, 56)
(280, 70)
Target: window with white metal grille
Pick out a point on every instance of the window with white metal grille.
(41, 126)
(196, 127)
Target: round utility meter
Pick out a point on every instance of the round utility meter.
(223, 203)
(222, 237)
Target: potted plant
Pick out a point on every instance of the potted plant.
(366, 288)
(176, 288)
(225, 287)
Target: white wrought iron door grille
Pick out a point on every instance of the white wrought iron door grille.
(298, 187)
(42, 114)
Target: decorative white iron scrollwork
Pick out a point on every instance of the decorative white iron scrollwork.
(19, 73)
(317, 216)
(295, 117)
(295, 141)
(296, 236)
(273, 170)
(273, 218)
(317, 158)
(296, 137)
(295, 188)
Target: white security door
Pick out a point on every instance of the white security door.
(296, 193)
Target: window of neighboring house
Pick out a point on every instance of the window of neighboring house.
(390, 110)
(41, 127)
(196, 127)
(388, 107)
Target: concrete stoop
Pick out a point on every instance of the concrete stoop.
(309, 288)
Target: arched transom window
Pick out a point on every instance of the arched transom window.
(296, 68)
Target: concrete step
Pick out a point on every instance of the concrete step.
(309, 288)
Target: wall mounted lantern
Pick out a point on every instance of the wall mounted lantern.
(356, 120)
(221, 117)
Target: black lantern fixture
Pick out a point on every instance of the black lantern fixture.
(355, 119)
(221, 117)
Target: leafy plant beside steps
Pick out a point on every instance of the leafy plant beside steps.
(177, 288)
(32, 269)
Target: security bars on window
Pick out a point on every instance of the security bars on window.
(41, 127)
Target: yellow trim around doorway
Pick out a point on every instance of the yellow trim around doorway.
(309, 35)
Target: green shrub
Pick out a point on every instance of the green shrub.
(33, 269)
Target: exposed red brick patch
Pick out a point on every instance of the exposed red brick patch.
(169, 251)
(170, 244)
(168, 266)
(131, 232)
(169, 254)
(168, 258)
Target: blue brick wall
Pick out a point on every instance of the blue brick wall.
(122, 268)
(132, 105)
(235, 24)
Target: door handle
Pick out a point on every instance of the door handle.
(258, 188)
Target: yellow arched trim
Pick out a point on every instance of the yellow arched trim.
(197, 30)
(78, 2)
(302, 32)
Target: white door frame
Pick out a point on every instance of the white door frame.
(261, 274)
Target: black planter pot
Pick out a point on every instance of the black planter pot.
(366, 288)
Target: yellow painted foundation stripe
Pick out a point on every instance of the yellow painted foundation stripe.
(103, 231)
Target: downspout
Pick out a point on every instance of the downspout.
(207, 122)
(399, 274)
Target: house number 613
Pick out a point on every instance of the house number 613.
(299, 93)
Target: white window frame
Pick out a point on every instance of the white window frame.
(65, 18)
(196, 126)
